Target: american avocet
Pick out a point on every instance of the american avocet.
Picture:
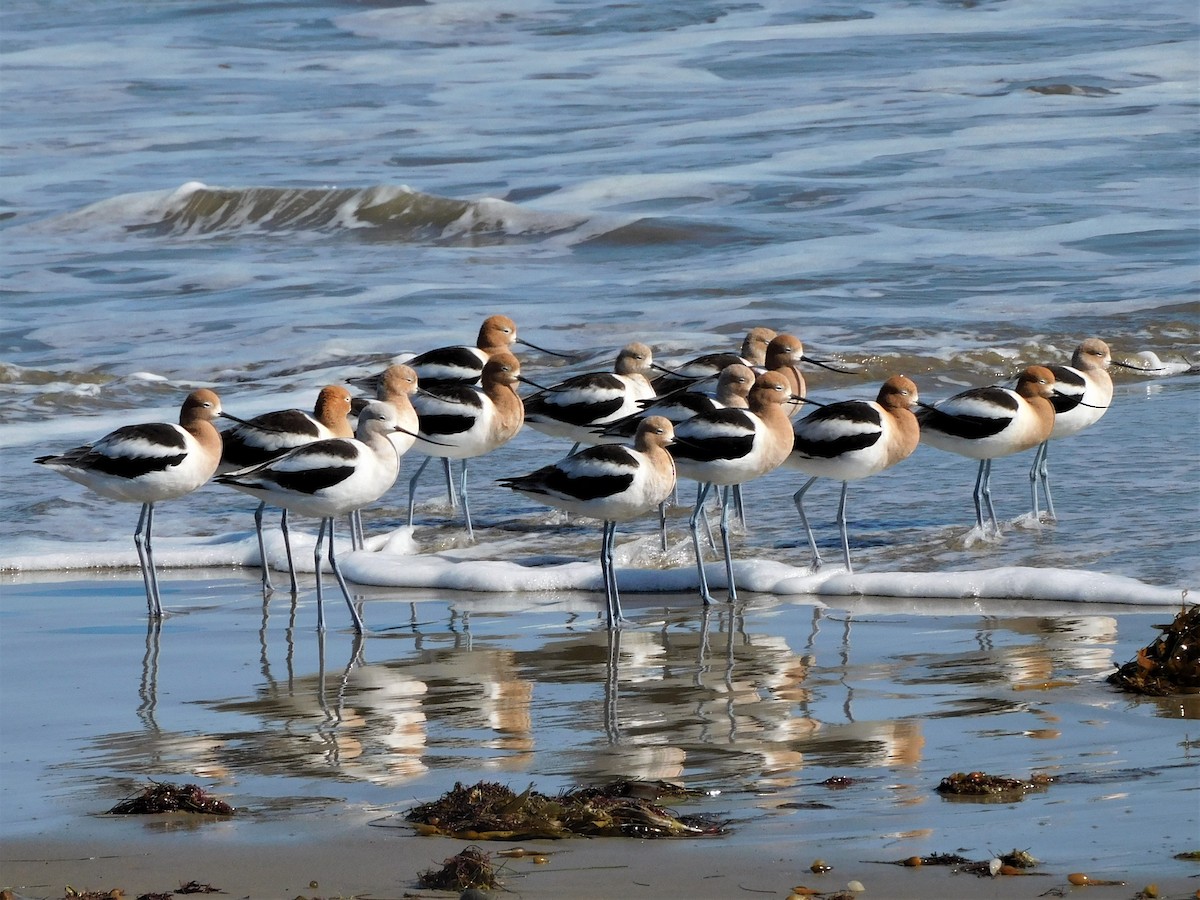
(272, 434)
(464, 364)
(329, 478)
(710, 365)
(1083, 393)
(733, 389)
(463, 421)
(398, 384)
(853, 439)
(611, 482)
(730, 447)
(397, 388)
(989, 422)
(785, 352)
(147, 464)
(576, 408)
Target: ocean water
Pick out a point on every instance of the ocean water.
(266, 198)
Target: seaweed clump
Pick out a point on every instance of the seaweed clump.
(161, 797)
(493, 812)
(472, 868)
(1012, 863)
(980, 785)
(1170, 664)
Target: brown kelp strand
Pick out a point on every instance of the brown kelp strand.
(161, 797)
(488, 811)
(471, 868)
(1170, 664)
(982, 785)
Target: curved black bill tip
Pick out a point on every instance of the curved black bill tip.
(233, 418)
(825, 365)
(1124, 365)
(557, 353)
(678, 374)
(531, 383)
(365, 382)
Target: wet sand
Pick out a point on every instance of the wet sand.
(375, 864)
(323, 752)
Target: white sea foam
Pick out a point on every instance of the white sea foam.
(396, 559)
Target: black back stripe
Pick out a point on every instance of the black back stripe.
(834, 448)
(433, 426)
(574, 413)
(613, 454)
(313, 480)
(159, 434)
(968, 427)
(712, 449)
(447, 357)
(589, 487)
(130, 466)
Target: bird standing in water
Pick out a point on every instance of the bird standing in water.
(147, 464)
(1083, 393)
(611, 482)
(850, 440)
(272, 434)
(330, 478)
(986, 423)
(729, 447)
(463, 422)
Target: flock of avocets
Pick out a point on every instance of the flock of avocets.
(720, 420)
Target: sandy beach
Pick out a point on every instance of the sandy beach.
(375, 864)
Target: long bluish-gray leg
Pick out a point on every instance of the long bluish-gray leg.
(317, 566)
(153, 568)
(978, 494)
(697, 512)
(139, 543)
(712, 540)
(604, 573)
(741, 506)
(608, 569)
(842, 524)
(337, 573)
(726, 502)
(798, 498)
(412, 488)
(662, 525)
(1033, 477)
(1044, 471)
(287, 548)
(264, 565)
(466, 504)
(987, 495)
(450, 482)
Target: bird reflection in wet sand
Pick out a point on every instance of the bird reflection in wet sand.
(710, 699)
(355, 721)
(334, 714)
(148, 689)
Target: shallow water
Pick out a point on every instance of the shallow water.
(270, 198)
(762, 703)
